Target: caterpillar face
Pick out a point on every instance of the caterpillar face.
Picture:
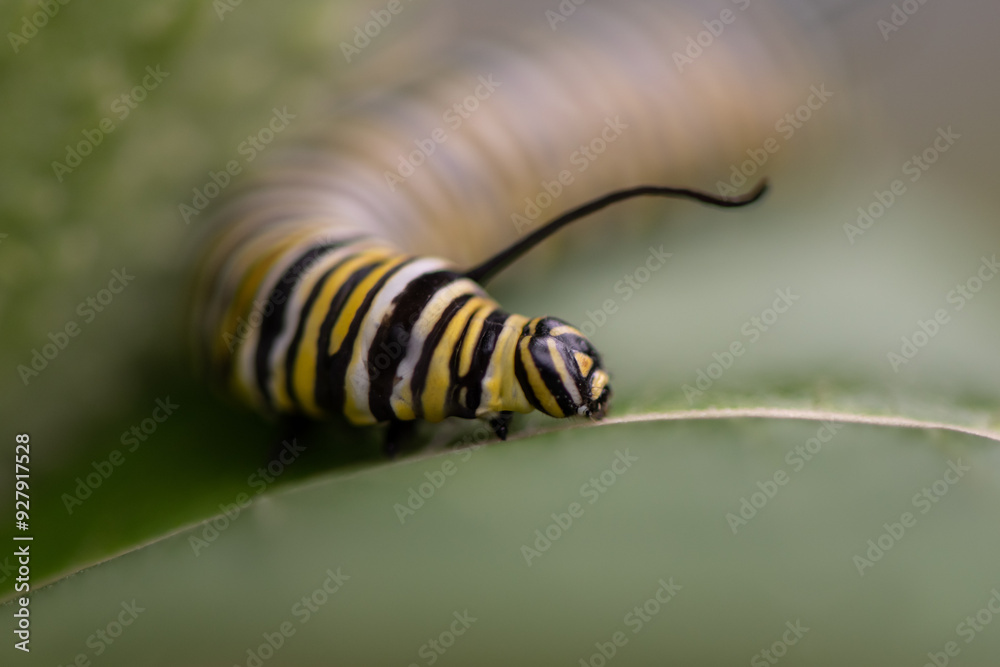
(559, 370)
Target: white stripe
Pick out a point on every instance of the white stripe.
(429, 316)
(357, 379)
(296, 301)
(244, 366)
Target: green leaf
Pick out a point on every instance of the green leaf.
(551, 543)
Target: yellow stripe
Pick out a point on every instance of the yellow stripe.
(281, 398)
(542, 392)
(245, 292)
(565, 329)
(402, 408)
(249, 285)
(500, 383)
(358, 414)
(243, 384)
(569, 384)
(597, 384)
(472, 337)
(304, 376)
(402, 402)
(357, 297)
(435, 394)
(279, 389)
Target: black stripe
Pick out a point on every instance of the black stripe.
(420, 371)
(575, 342)
(472, 381)
(522, 376)
(322, 393)
(454, 406)
(550, 376)
(274, 321)
(393, 335)
(296, 343)
(336, 365)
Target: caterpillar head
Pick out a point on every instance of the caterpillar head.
(559, 370)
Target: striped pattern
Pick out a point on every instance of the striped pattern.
(321, 290)
(361, 329)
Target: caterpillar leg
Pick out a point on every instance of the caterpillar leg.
(398, 435)
(500, 423)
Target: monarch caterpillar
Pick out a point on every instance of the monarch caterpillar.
(316, 295)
